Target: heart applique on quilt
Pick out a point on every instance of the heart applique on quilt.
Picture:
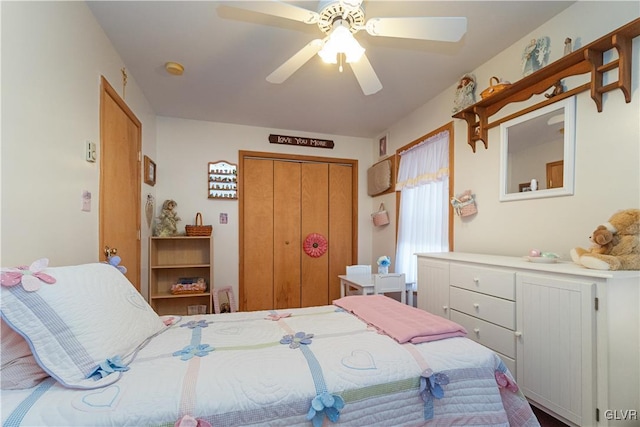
(359, 359)
(101, 400)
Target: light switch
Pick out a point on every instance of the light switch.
(86, 201)
(90, 151)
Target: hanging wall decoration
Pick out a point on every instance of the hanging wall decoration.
(315, 245)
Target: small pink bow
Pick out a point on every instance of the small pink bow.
(505, 382)
(276, 316)
(189, 421)
(30, 276)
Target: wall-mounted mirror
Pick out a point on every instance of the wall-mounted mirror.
(537, 153)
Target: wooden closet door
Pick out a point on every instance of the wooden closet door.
(315, 219)
(257, 235)
(287, 242)
(342, 223)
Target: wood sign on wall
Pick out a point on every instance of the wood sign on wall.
(297, 140)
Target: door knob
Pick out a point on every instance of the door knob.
(109, 251)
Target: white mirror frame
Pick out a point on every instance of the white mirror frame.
(567, 189)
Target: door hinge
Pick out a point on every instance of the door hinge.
(597, 414)
(595, 303)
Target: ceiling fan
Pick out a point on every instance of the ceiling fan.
(340, 20)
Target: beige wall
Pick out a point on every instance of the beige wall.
(607, 176)
(53, 54)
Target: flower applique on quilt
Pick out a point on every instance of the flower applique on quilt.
(189, 421)
(505, 382)
(324, 404)
(195, 348)
(295, 340)
(30, 276)
(431, 387)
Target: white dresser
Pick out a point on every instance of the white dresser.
(570, 335)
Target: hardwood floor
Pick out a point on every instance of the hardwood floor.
(547, 420)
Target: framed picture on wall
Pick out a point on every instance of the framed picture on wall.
(382, 145)
(149, 171)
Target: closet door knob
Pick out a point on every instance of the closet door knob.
(477, 331)
(476, 305)
(517, 334)
(445, 307)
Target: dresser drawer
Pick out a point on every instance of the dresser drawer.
(489, 335)
(495, 310)
(490, 281)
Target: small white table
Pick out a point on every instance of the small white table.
(365, 283)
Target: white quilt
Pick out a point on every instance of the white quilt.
(243, 369)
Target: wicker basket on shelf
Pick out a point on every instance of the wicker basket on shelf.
(198, 229)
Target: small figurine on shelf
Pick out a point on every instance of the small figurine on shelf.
(167, 224)
(535, 55)
(567, 46)
(465, 93)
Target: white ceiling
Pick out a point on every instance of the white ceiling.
(228, 52)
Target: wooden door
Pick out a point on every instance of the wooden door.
(315, 219)
(119, 215)
(283, 199)
(286, 234)
(256, 234)
(342, 224)
(555, 174)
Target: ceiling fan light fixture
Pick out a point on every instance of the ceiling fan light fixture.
(341, 41)
(350, 4)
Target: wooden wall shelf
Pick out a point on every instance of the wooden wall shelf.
(589, 58)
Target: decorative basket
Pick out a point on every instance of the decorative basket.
(465, 204)
(494, 88)
(381, 217)
(198, 229)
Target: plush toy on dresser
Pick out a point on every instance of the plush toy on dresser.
(618, 243)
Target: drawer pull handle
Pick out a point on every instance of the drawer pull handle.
(476, 279)
(476, 305)
(445, 307)
(517, 333)
(477, 331)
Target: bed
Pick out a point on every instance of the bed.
(105, 359)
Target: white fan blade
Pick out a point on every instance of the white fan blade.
(276, 8)
(366, 76)
(447, 29)
(284, 71)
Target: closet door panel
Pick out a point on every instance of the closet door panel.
(315, 219)
(287, 241)
(257, 235)
(341, 224)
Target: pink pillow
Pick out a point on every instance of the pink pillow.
(19, 368)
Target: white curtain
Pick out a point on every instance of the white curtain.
(423, 223)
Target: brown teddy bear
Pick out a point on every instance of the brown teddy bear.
(602, 241)
(621, 250)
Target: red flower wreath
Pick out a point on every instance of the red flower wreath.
(315, 245)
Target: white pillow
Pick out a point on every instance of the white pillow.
(92, 313)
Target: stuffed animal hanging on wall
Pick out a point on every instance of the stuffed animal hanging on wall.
(619, 246)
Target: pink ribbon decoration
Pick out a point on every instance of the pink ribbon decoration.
(277, 316)
(189, 421)
(30, 276)
(505, 382)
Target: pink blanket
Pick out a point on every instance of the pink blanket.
(400, 321)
